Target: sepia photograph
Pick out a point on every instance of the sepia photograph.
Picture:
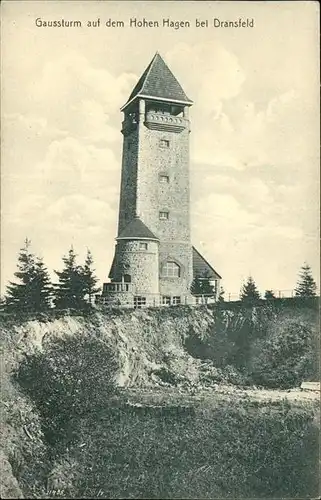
(160, 258)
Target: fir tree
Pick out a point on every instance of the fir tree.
(249, 291)
(34, 292)
(306, 286)
(89, 278)
(70, 291)
(201, 286)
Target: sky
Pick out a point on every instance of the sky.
(254, 142)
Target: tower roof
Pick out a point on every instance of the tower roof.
(158, 81)
(201, 268)
(136, 229)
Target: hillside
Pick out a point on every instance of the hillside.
(81, 393)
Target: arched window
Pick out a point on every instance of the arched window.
(171, 270)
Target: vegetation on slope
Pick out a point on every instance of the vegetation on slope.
(70, 431)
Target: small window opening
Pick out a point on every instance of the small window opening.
(164, 179)
(164, 143)
(164, 215)
(143, 246)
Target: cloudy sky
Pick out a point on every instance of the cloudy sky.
(254, 140)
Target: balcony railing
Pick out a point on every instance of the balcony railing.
(140, 300)
(160, 121)
(117, 287)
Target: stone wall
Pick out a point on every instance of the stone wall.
(141, 265)
(181, 253)
(128, 190)
(154, 196)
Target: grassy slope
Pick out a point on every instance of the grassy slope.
(237, 448)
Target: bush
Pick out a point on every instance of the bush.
(286, 357)
(72, 376)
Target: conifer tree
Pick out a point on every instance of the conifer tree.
(269, 294)
(249, 291)
(306, 286)
(201, 286)
(70, 291)
(34, 292)
(89, 278)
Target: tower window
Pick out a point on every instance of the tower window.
(164, 215)
(164, 179)
(171, 270)
(143, 246)
(164, 143)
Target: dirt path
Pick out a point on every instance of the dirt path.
(207, 397)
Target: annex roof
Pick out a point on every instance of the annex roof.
(159, 82)
(136, 229)
(201, 268)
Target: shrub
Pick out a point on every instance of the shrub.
(286, 357)
(72, 376)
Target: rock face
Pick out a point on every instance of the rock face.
(9, 487)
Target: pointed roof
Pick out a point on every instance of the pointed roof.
(201, 268)
(158, 81)
(136, 229)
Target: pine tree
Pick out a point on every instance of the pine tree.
(70, 291)
(34, 291)
(89, 278)
(42, 289)
(201, 286)
(269, 294)
(306, 286)
(249, 291)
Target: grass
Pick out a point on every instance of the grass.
(244, 450)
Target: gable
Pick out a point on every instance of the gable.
(201, 268)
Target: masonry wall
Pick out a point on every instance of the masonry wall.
(154, 196)
(173, 197)
(181, 253)
(141, 265)
(128, 190)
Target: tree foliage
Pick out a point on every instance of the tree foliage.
(70, 290)
(77, 284)
(306, 286)
(286, 357)
(249, 291)
(69, 377)
(89, 278)
(201, 285)
(269, 294)
(33, 292)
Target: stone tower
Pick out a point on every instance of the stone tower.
(154, 257)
